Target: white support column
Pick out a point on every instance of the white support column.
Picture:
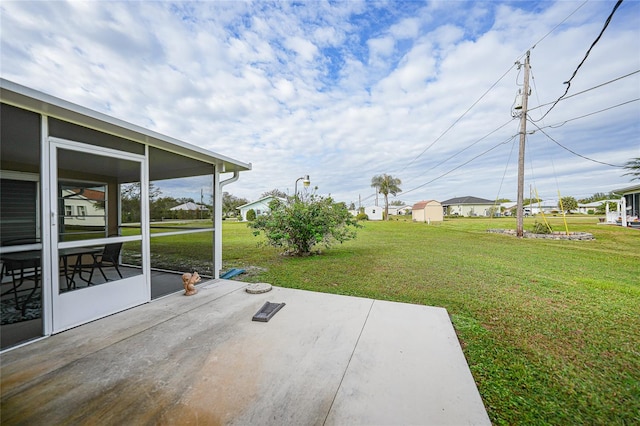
(217, 224)
(48, 233)
(145, 220)
(217, 211)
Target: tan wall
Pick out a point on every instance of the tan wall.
(431, 213)
(434, 213)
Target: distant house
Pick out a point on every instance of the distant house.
(374, 212)
(190, 206)
(260, 206)
(427, 211)
(585, 208)
(543, 207)
(629, 204)
(399, 210)
(468, 206)
(84, 206)
(508, 208)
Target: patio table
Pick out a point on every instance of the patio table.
(78, 252)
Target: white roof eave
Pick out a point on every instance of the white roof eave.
(20, 96)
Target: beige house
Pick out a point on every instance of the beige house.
(427, 211)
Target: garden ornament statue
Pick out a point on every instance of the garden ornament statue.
(189, 281)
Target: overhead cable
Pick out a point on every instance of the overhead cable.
(562, 22)
(469, 146)
(568, 82)
(571, 151)
(459, 118)
(555, 126)
(463, 164)
(584, 91)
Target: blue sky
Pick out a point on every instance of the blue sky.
(343, 91)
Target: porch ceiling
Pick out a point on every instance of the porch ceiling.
(26, 98)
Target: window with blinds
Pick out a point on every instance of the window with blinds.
(19, 212)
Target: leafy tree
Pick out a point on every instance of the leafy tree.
(275, 192)
(397, 203)
(386, 184)
(130, 202)
(633, 166)
(596, 197)
(184, 200)
(569, 203)
(230, 203)
(352, 206)
(251, 215)
(161, 208)
(304, 222)
(602, 208)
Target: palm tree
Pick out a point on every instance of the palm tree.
(633, 166)
(386, 184)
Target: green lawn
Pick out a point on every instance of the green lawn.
(550, 329)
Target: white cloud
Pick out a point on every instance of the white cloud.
(406, 28)
(347, 90)
(304, 48)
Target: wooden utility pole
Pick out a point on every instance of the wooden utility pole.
(523, 134)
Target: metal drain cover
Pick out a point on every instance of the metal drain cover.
(267, 311)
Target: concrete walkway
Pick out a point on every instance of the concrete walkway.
(322, 359)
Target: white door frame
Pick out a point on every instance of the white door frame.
(74, 308)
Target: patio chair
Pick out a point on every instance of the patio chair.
(21, 267)
(109, 257)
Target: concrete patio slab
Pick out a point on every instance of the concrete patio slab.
(322, 359)
(407, 368)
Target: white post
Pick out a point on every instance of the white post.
(623, 213)
(217, 224)
(217, 216)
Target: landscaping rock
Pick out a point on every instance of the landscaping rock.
(575, 236)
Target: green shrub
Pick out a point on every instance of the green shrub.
(362, 216)
(251, 215)
(299, 225)
(541, 228)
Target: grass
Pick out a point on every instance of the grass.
(550, 329)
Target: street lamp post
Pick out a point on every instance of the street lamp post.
(305, 181)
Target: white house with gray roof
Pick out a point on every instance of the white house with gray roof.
(468, 206)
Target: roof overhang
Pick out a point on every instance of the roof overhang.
(23, 97)
(627, 190)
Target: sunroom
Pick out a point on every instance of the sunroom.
(82, 235)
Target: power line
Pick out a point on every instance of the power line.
(461, 165)
(584, 91)
(492, 86)
(557, 125)
(568, 82)
(571, 151)
(458, 119)
(563, 97)
(505, 171)
(473, 144)
(556, 27)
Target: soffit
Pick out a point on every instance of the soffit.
(24, 97)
